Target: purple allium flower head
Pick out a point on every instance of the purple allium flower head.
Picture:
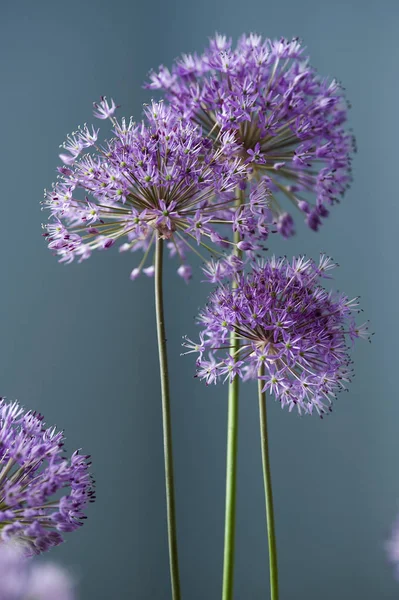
(159, 177)
(287, 324)
(285, 121)
(43, 494)
(24, 579)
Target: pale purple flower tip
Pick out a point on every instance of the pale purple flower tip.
(149, 271)
(43, 494)
(285, 225)
(105, 243)
(244, 246)
(103, 110)
(185, 271)
(67, 159)
(287, 324)
(135, 273)
(217, 270)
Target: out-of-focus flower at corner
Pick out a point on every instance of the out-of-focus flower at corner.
(23, 578)
(392, 547)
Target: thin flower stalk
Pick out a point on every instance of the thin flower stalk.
(267, 479)
(167, 423)
(231, 457)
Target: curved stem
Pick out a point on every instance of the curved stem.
(167, 425)
(231, 462)
(271, 534)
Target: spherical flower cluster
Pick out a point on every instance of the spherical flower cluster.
(42, 493)
(289, 123)
(292, 333)
(157, 178)
(23, 579)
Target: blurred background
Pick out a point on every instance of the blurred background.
(79, 341)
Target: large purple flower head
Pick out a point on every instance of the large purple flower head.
(293, 334)
(289, 123)
(159, 177)
(24, 579)
(42, 493)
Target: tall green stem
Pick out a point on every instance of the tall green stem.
(167, 425)
(231, 463)
(271, 534)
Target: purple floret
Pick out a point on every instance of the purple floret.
(286, 121)
(289, 328)
(42, 493)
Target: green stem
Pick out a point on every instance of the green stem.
(167, 425)
(271, 533)
(231, 485)
(231, 463)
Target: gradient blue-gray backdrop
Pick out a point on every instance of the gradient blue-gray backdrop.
(78, 342)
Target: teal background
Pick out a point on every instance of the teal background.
(78, 342)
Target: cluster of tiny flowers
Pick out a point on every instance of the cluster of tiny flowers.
(293, 334)
(160, 177)
(287, 122)
(228, 266)
(33, 470)
(24, 579)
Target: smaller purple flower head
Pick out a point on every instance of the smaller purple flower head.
(24, 579)
(158, 178)
(43, 493)
(287, 122)
(293, 334)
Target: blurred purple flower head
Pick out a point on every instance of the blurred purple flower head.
(160, 177)
(392, 547)
(293, 333)
(24, 579)
(284, 120)
(42, 493)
